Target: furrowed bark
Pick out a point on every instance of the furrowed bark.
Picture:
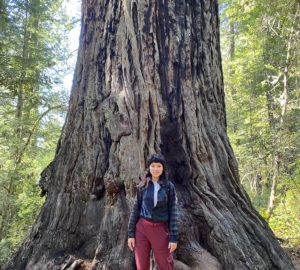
(148, 79)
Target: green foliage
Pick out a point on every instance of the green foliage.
(285, 221)
(260, 50)
(33, 55)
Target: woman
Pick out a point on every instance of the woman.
(153, 222)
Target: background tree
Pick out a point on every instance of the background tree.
(33, 105)
(262, 90)
(148, 79)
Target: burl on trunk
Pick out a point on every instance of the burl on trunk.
(148, 79)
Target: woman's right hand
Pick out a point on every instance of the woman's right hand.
(131, 243)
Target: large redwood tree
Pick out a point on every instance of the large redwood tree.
(148, 79)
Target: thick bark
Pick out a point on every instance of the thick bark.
(148, 79)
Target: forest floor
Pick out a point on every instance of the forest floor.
(295, 255)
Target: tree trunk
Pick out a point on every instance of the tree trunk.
(277, 136)
(148, 79)
(273, 192)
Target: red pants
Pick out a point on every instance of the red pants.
(152, 235)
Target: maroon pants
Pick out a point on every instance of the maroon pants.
(152, 235)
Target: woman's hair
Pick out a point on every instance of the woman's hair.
(158, 158)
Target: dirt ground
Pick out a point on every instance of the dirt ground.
(295, 255)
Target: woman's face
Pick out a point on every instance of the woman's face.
(156, 169)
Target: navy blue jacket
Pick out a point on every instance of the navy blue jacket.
(166, 208)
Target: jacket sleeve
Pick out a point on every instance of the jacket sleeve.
(134, 215)
(173, 215)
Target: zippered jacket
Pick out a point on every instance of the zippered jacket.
(166, 208)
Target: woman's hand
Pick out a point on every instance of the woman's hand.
(131, 243)
(172, 246)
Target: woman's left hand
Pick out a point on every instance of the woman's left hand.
(172, 246)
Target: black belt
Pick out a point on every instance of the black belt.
(154, 221)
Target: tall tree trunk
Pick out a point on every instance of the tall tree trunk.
(232, 39)
(148, 78)
(273, 192)
(8, 210)
(277, 134)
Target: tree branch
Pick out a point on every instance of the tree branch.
(34, 128)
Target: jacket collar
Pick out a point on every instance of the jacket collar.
(160, 181)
